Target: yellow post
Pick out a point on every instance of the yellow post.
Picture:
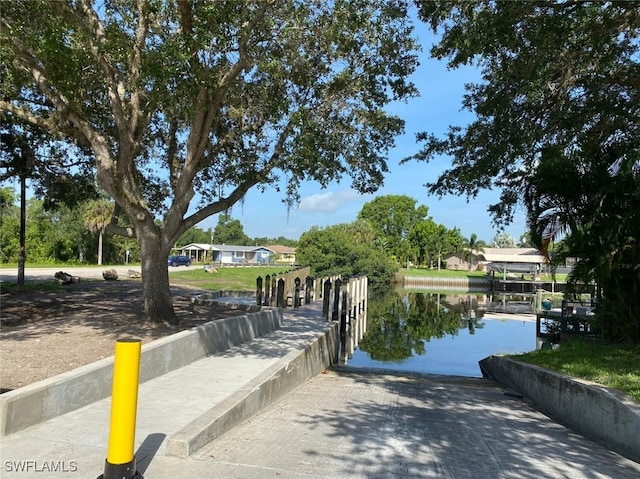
(120, 461)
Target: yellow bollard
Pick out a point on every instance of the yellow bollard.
(121, 463)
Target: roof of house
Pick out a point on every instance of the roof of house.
(223, 247)
(280, 249)
(511, 255)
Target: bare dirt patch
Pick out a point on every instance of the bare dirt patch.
(44, 333)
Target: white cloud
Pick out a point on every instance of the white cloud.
(328, 202)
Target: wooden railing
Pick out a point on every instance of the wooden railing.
(343, 300)
(283, 289)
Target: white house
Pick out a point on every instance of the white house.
(226, 254)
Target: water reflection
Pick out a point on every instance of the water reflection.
(436, 333)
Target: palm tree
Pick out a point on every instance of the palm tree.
(96, 215)
(472, 247)
(439, 243)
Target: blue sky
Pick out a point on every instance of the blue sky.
(437, 107)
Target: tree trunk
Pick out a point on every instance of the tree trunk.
(158, 305)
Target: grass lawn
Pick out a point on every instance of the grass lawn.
(229, 279)
(443, 273)
(613, 365)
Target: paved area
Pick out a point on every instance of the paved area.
(352, 425)
(341, 424)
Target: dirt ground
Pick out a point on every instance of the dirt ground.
(44, 333)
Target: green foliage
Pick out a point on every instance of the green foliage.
(317, 112)
(194, 235)
(229, 231)
(345, 249)
(280, 240)
(393, 217)
(557, 128)
(610, 364)
(601, 211)
(56, 236)
(471, 248)
(60, 173)
(213, 98)
(9, 226)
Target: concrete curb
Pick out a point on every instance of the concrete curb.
(87, 384)
(603, 414)
(296, 368)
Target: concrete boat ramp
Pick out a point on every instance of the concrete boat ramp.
(270, 406)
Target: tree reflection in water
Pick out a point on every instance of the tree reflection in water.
(400, 324)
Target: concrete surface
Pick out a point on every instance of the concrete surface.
(74, 389)
(602, 413)
(293, 370)
(341, 424)
(347, 424)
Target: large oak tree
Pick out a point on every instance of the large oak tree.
(557, 130)
(186, 105)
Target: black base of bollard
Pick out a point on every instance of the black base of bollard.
(120, 471)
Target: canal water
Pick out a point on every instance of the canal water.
(441, 334)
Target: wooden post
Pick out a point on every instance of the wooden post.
(365, 302)
(326, 294)
(308, 290)
(281, 300)
(342, 317)
(337, 296)
(295, 301)
(267, 289)
(273, 300)
(351, 318)
(259, 291)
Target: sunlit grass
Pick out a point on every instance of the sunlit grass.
(229, 279)
(612, 365)
(443, 273)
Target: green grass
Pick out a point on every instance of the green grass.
(230, 279)
(443, 273)
(612, 365)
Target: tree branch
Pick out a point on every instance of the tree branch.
(186, 16)
(115, 89)
(239, 192)
(209, 110)
(136, 122)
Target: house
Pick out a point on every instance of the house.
(227, 254)
(512, 260)
(283, 254)
(455, 261)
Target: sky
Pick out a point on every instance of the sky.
(437, 107)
